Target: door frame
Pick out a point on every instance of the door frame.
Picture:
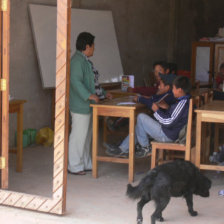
(4, 69)
(196, 44)
(57, 203)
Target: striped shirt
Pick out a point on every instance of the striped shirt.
(99, 90)
(174, 118)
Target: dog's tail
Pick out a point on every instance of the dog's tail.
(146, 182)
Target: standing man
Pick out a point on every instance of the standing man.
(84, 90)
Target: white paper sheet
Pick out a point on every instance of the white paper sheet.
(126, 103)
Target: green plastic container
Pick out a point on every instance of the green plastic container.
(29, 136)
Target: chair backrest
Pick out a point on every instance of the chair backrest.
(210, 95)
(185, 132)
(197, 101)
(206, 97)
(189, 127)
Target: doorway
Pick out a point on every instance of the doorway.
(57, 203)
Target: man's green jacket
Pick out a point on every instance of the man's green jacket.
(81, 84)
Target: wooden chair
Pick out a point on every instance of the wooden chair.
(186, 148)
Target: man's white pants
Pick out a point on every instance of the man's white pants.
(80, 139)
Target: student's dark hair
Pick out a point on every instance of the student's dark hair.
(84, 39)
(163, 64)
(166, 83)
(172, 67)
(221, 66)
(183, 82)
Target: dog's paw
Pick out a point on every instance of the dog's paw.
(160, 219)
(193, 213)
(139, 221)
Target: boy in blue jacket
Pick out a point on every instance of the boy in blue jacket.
(164, 128)
(164, 95)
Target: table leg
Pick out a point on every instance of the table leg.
(198, 141)
(203, 144)
(131, 163)
(105, 131)
(19, 157)
(95, 143)
(216, 138)
(208, 142)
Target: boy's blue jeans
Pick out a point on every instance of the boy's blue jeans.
(146, 126)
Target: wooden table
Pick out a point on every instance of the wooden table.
(16, 106)
(211, 112)
(110, 108)
(118, 93)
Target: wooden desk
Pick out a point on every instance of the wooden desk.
(16, 106)
(110, 108)
(211, 112)
(118, 93)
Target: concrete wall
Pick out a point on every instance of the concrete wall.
(195, 19)
(141, 28)
(25, 82)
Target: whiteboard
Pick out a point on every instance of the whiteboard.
(106, 57)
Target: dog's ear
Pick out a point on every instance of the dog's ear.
(203, 184)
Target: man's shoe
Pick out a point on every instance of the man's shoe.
(138, 147)
(123, 155)
(143, 151)
(112, 150)
(81, 173)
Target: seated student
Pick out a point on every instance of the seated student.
(164, 128)
(159, 67)
(164, 91)
(164, 95)
(219, 82)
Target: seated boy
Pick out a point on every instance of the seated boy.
(159, 67)
(164, 95)
(164, 92)
(164, 128)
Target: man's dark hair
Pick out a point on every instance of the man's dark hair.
(163, 64)
(166, 83)
(167, 79)
(84, 39)
(183, 82)
(172, 67)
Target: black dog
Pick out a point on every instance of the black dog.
(173, 179)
